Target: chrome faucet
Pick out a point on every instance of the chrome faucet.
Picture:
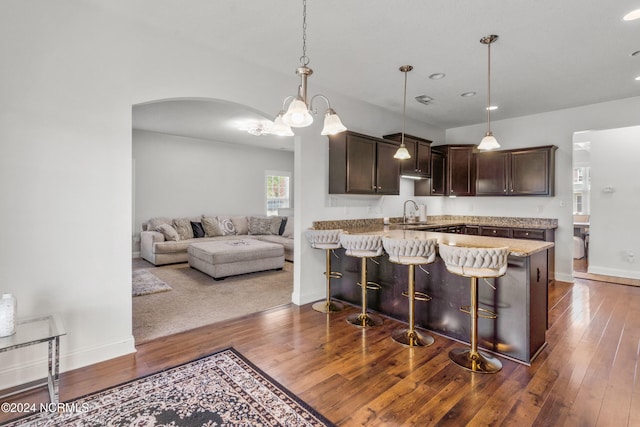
(404, 210)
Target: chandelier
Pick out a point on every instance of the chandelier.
(299, 112)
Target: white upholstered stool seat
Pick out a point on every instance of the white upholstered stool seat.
(474, 263)
(363, 246)
(328, 240)
(411, 252)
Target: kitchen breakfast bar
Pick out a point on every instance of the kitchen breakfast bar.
(519, 299)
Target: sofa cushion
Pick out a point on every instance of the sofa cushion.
(283, 224)
(169, 233)
(198, 230)
(183, 227)
(154, 223)
(276, 223)
(288, 229)
(259, 225)
(211, 227)
(241, 223)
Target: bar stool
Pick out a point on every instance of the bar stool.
(475, 263)
(329, 240)
(363, 246)
(411, 252)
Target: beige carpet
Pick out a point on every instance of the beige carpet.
(198, 300)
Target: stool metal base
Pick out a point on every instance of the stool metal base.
(412, 338)
(482, 362)
(365, 320)
(327, 306)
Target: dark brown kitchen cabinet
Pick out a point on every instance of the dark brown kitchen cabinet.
(533, 172)
(492, 173)
(522, 172)
(362, 164)
(459, 170)
(436, 185)
(419, 165)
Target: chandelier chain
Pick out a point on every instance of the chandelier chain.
(304, 59)
(489, 87)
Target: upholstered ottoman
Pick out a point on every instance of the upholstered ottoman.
(223, 258)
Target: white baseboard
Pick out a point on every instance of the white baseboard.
(561, 277)
(605, 271)
(301, 299)
(36, 369)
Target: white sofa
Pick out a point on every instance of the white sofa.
(165, 240)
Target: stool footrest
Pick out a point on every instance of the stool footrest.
(334, 274)
(420, 296)
(486, 314)
(372, 285)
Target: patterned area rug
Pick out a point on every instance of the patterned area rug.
(145, 283)
(223, 389)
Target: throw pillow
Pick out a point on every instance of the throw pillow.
(226, 227)
(183, 227)
(259, 225)
(198, 230)
(288, 229)
(210, 225)
(170, 233)
(276, 222)
(241, 223)
(282, 225)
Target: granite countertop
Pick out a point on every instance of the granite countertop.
(517, 247)
(375, 224)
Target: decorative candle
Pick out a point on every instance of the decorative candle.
(8, 310)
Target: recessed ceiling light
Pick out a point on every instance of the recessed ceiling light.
(468, 94)
(437, 76)
(638, 78)
(633, 15)
(492, 107)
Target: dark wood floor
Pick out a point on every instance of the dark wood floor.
(586, 376)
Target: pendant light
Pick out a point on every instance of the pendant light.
(489, 141)
(402, 153)
(299, 112)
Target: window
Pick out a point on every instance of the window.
(577, 203)
(578, 175)
(277, 191)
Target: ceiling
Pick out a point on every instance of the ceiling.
(550, 54)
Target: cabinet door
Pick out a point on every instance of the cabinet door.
(530, 173)
(461, 166)
(423, 158)
(438, 173)
(495, 231)
(492, 173)
(387, 170)
(361, 165)
(409, 165)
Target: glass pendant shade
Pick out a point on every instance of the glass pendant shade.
(489, 142)
(297, 115)
(402, 153)
(332, 124)
(280, 128)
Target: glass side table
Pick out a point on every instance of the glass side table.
(38, 330)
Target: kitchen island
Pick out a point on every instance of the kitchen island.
(520, 297)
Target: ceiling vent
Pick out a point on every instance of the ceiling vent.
(424, 99)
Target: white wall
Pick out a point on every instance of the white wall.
(74, 73)
(614, 242)
(185, 177)
(552, 128)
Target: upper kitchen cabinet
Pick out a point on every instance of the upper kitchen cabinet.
(521, 172)
(459, 170)
(419, 165)
(362, 164)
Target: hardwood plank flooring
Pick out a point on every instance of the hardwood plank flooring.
(585, 376)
